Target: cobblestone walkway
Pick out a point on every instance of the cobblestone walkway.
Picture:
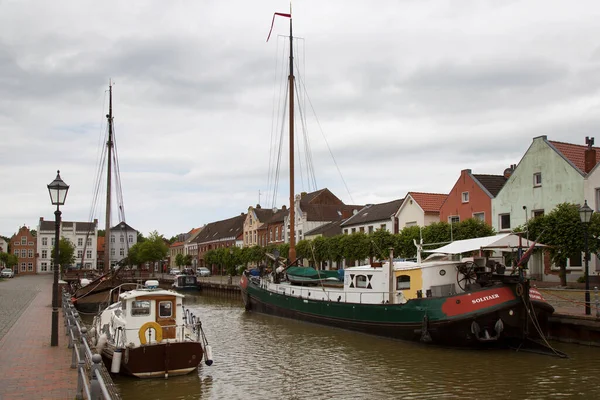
(29, 367)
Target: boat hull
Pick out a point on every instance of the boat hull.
(445, 321)
(157, 360)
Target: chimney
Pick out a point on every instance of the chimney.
(284, 207)
(303, 194)
(590, 154)
(508, 171)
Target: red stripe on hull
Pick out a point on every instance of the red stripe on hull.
(475, 301)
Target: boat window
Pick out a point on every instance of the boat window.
(164, 309)
(140, 307)
(361, 281)
(403, 282)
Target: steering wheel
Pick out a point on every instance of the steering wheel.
(465, 274)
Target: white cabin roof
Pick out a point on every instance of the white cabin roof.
(149, 292)
(496, 242)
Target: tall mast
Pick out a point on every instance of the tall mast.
(292, 255)
(109, 145)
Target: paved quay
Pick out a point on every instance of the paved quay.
(29, 367)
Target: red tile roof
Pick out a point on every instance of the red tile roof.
(574, 153)
(429, 202)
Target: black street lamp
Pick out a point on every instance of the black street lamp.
(585, 213)
(58, 193)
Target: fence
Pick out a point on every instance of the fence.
(93, 380)
(571, 301)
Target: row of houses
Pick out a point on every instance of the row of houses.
(549, 173)
(34, 252)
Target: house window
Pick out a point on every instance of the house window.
(16, 252)
(403, 282)
(371, 229)
(504, 221)
(130, 238)
(112, 251)
(122, 238)
(382, 227)
(453, 219)
(30, 253)
(121, 252)
(52, 242)
(597, 200)
(23, 253)
(140, 307)
(353, 230)
(89, 241)
(79, 241)
(537, 179)
(465, 197)
(538, 213)
(576, 260)
(345, 231)
(44, 253)
(23, 239)
(361, 281)
(88, 254)
(44, 267)
(361, 229)
(30, 267)
(23, 266)
(480, 216)
(112, 238)
(411, 223)
(44, 241)
(79, 253)
(165, 309)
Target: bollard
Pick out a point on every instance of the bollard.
(80, 369)
(597, 302)
(95, 390)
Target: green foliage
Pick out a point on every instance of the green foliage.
(66, 253)
(356, 246)
(10, 260)
(179, 260)
(187, 259)
(381, 241)
(438, 232)
(303, 250)
(153, 249)
(471, 228)
(405, 246)
(564, 233)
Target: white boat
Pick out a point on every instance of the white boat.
(148, 333)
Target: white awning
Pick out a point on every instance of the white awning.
(506, 241)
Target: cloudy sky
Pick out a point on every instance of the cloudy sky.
(405, 93)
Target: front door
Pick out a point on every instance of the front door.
(165, 316)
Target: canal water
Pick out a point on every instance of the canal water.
(263, 357)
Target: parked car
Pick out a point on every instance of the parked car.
(175, 272)
(7, 273)
(203, 271)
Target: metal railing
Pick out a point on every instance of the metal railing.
(571, 301)
(93, 380)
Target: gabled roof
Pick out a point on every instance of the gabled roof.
(122, 226)
(176, 244)
(79, 226)
(226, 229)
(327, 230)
(327, 212)
(263, 214)
(429, 202)
(374, 212)
(278, 216)
(492, 183)
(574, 153)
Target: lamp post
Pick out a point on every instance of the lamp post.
(585, 213)
(58, 193)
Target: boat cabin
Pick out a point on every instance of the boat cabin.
(146, 315)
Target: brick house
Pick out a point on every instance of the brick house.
(24, 247)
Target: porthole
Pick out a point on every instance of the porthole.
(442, 272)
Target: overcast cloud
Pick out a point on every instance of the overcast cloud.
(406, 94)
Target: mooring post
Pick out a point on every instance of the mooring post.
(95, 390)
(597, 302)
(80, 368)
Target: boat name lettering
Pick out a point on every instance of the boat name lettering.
(485, 298)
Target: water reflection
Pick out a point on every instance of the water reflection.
(263, 357)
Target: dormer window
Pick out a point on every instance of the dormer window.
(465, 197)
(537, 179)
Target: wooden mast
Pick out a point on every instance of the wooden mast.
(109, 145)
(292, 254)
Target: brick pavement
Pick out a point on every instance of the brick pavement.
(29, 367)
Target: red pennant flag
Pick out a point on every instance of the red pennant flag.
(272, 22)
(525, 257)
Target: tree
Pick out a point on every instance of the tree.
(356, 246)
(563, 232)
(179, 260)
(8, 259)
(405, 247)
(303, 250)
(66, 253)
(187, 260)
(472, 228)
(154, 248)
(381, 241)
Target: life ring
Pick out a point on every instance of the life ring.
(150, 325)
